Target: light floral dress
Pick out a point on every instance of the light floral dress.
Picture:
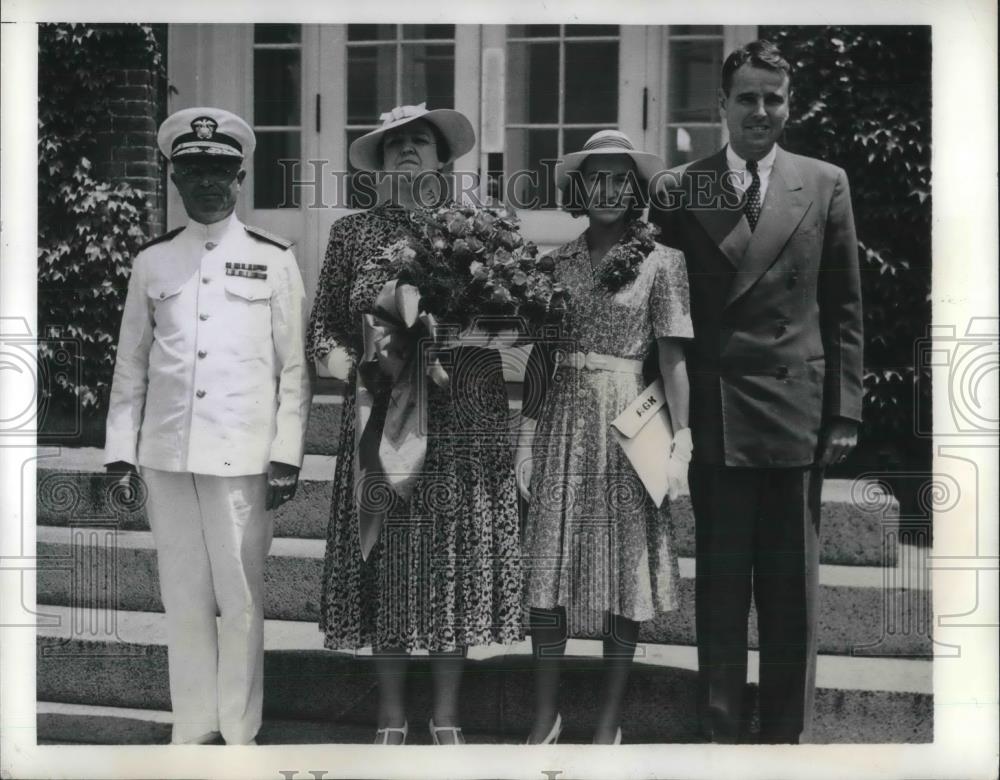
(594, 541)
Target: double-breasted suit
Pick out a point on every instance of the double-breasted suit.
(776, 355)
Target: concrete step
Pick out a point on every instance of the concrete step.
(323, 431)
(860, 519)
(67, 724)
(861, 609)
(858, 700)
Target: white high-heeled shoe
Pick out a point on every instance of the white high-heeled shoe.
(456, 732)
(382, 735)
(552, 737)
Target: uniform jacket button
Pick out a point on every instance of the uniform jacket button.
(781, 372)
(202, 353)
(202, 317)
(163, 295)
(779, 331)
(200, 393)
(210, 245)
(206, 279)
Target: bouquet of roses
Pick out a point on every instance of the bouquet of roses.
(472, 264)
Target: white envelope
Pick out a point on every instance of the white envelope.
(645, 434)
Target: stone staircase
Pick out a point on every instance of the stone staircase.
(102, 669)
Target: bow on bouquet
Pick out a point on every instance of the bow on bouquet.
(467, 267)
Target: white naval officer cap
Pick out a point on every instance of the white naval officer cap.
(203, 132)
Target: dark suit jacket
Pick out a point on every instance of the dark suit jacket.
(777, 344)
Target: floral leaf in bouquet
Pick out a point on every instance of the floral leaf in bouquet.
(473, 262)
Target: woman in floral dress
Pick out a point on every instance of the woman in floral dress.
(445, 571)
(597, 550)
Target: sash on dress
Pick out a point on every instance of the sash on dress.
(388, 457)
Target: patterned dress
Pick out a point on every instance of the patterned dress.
(446, 570)
(594, 540)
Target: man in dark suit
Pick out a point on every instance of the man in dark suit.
(775, 369)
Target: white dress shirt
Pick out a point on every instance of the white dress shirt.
(211, 375)
(742, 178)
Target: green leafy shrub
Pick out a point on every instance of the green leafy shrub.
(89, 225)
(861, 98)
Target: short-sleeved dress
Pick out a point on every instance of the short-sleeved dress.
(594, 540)
(446, 570)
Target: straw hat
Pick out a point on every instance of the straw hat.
(608, 142)
(456, 129)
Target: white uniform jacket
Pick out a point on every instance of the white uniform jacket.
(211, 374)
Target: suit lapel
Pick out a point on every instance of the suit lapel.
(785, 204)
(723, 225)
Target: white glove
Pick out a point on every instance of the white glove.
(336, 364)
(523, 466)
(677, 464)
(523, 463)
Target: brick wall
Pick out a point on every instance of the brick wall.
(127, 149)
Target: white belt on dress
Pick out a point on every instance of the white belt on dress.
(594, 361)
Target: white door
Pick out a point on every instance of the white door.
(547, 88)
(363, 70)
(308, 91)
(532, 92)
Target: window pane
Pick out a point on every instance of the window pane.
(429, 75)
(696, 29)
(371, 32)
(530, 183)
(693, 76)
(436, 31)
(582, 30)
(271, 186)
(532, 82)
(277, 33)
(276, 77)
(371, 82)
(360, 185)
(532, 30)
(685, 144)
(591, 82)
(575, 137)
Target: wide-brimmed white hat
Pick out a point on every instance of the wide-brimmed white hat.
(603, 142)
(456, 129)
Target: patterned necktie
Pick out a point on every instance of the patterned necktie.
(751, 206)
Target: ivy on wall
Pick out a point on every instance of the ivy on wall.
(91, 220)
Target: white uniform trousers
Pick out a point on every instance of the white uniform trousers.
(212, 537)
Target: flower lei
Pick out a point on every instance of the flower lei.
(621, 264)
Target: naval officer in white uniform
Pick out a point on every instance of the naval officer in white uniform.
(210, 401)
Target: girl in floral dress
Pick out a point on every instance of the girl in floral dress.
(597, 550)
(445, 572)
